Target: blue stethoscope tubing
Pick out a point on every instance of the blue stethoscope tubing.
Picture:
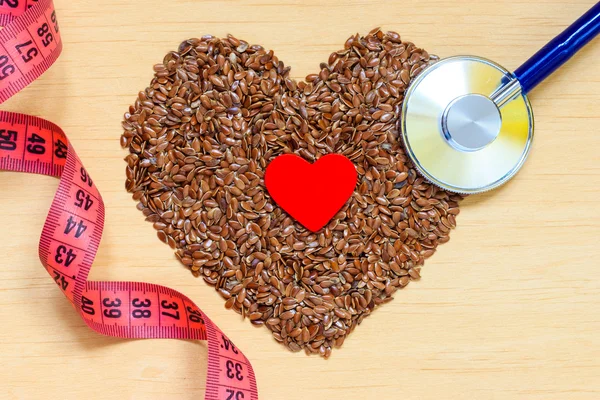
(559, 50)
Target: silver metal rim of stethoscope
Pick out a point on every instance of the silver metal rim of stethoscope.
(436, 155)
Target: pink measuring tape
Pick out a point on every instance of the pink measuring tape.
(29, 44)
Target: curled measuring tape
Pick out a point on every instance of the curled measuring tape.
(29, 44)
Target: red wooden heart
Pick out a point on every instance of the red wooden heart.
(311, 193)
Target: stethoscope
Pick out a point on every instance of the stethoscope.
(466, 121)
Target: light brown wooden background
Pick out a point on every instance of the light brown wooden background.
(509, 309)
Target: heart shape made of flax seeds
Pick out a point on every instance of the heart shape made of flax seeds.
(217, 112)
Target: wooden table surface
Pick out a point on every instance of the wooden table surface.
(508, 309)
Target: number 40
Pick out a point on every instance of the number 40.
(234, 394)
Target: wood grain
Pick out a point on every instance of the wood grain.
(509, 309)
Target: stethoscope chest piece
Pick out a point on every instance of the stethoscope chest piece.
(456, 135)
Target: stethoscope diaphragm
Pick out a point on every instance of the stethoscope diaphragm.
(456, 135)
